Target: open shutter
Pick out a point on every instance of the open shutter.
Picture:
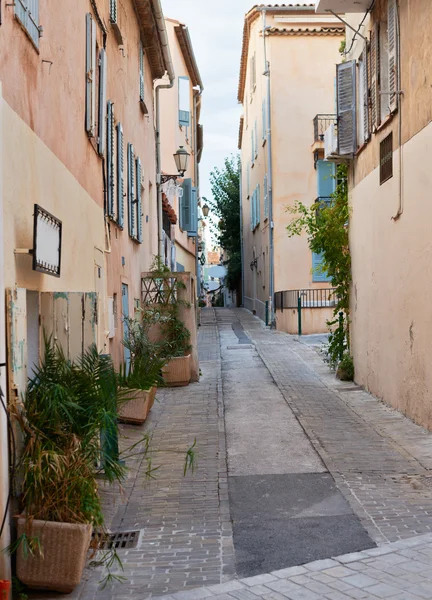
(131, 189)
(326, 172)
(110, 159)
(374, 78)
(120, 176)
(251, 212)
(102, 101)
(90, 73)
(27, 11)
(141, 54)
(185, 206)
(139, 200)
(192, 232)
(346, 99)
(365, 94)
(258, 204)
(392, 49)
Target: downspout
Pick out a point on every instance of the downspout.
(163, 36)
(269, 174)
(241, 236)
(196, 99)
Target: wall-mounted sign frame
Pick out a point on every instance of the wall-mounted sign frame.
(47, 242)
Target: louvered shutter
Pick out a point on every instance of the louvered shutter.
(102, 101)
(266, 198)
(89, 73)
(346, 99)
(141, 54)
(365, 99)
(184, 101)
(185, 205)
(252, 146)
(392, 48)
(258, 204)
(374, 77)
(27, 12)
(192, 232)
(318, 275)
(131, 189)
(251, 212)
(120, 176)
(113, 11)
(110, 159)
(254, 209)
(139, 200)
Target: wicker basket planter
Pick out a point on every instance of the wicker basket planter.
(177, 371)
(152, 396)
(64, 548)
(136, 409)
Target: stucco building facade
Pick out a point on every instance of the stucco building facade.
(285, 81)
(388, 80)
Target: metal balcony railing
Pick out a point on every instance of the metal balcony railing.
(310, 298)
(321, 124)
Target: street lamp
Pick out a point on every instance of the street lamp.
(205, 210)
(181, 158)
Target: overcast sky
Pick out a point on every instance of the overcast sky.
(216, 30)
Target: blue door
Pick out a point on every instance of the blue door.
(125, 313)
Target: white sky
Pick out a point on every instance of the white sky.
(216, 29)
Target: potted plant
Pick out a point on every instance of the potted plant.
(177, 371)
(5, 586)
(65, 408)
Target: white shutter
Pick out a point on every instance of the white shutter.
(392, 48)
(102, 101)
(346, 104)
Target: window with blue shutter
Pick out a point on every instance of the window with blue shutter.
(185, 206)
(266, 197)
(27, 13)
(326, 172)
(90, 117)
(184, 101)
(139, 200)
(141, 62)
(102, 101)
(131, 189)
(110, 160)
(120, 176)
(258, 204)
(192, 232)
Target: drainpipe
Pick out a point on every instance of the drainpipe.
(241, 236)
(163, 36)
(270, 171)
(196, 101)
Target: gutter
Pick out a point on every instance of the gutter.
(163, 36)
(193, 63)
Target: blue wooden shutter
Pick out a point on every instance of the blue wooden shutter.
(120, 176)
(110, 159)
(139, 200)
(102, 101)
(318, 275)
(131, 189)
(326, 178)
(184, 101)
(251, 213)
(27, 12)
(192, 232)
(141, 54)
(185, 205)
(254, 209)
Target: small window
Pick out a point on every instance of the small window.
(184, 101)
(386, 159)
(27, 13)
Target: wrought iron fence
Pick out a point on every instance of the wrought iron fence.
(310, 298)
(321, 124)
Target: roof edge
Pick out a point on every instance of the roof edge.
(185, 42)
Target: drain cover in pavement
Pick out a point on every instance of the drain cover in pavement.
(119, 540)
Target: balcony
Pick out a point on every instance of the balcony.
(321, 124)
(342, 6)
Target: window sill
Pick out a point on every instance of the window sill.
(361, 148)
(384, 124)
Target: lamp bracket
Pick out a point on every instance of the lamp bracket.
(166, 178)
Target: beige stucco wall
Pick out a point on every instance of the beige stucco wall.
(313, 320)
(302, 85)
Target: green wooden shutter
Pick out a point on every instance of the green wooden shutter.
(120, 176)
(185, 206)
(131, 189)
(110, 159)
(139, 200)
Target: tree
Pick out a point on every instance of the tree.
(225, 206)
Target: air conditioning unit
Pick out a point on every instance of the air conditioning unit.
(331, 144)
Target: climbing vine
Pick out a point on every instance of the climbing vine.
(327, 229)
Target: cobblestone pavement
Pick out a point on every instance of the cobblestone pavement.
(399, 571)
(380, 460)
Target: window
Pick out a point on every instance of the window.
(139, 203)
(111, 161)
(326, 184)
(346, 108)
(131, 191)
(141, 80)
(120, 176)
(266, 197)
(386, 159)
(256, 140)
(255, 208)
(27, 13)
(253, 146)
(184, 101)
(102, 102)
(91, 73)
(189, 209)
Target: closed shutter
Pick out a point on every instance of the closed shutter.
(131, 190)
(192, 232)
(251, 203)
(141, 54)
(346, 99)
(326, 172)
(374, 78)
(254, 209)
(258, 204)
(365, 94)
(185, 206)
(102, 101)
(110, 159)
(266, 198)
(120, 176)
(392, 48)
(318, 275)
(139, 200)
(90, 74)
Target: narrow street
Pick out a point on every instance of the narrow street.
(294, 468)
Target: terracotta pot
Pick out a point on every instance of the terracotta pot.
(177, 371)
(60, 564)
(5, 586)
(136, 409)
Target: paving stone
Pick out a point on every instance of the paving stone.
(360, 580)
(289, 572)
(382, 590)
(320, 565)
(258, 579)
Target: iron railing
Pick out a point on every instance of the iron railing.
(310, 298)
(321, 124)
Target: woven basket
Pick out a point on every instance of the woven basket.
(136, 409)
(177, 371)
(60, 565)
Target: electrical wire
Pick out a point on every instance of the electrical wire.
(346, 52)
(12, 473)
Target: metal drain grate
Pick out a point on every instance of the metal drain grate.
(119, 540)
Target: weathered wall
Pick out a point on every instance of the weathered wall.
(391, 263)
